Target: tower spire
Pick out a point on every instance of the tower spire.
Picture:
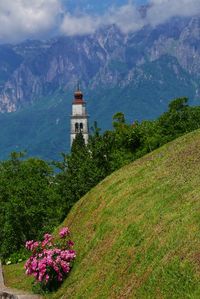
(78, 85)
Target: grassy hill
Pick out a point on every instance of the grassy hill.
(137, 233)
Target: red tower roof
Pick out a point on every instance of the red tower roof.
(78, 97)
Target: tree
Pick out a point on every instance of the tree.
(29, 204)
(178, 104)
(118, 119)
(174, 122)
(79, 175)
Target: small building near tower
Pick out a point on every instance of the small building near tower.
(79, 117)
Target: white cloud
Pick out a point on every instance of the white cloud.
(82, 24)
(162, 10)
(20, 19)
(126, 17)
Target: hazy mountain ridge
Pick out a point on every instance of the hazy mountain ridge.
(137, 74)
(106, 58)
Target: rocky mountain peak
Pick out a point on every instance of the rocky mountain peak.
(34, 69)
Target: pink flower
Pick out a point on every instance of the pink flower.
(70, 243)
(64, 232)
(60, 277)
(29, 244)
(35, 245)
(32, 245)
(49, 258)
(48, 237)
(47, 240)
(34, 265)
(65, 267)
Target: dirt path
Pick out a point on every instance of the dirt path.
(6, 293)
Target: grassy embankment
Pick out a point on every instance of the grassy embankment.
(137, 233)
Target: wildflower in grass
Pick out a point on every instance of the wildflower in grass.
(64, 232)
(70, 243)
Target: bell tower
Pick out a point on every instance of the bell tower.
(79, 117)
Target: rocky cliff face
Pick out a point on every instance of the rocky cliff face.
(108, 58)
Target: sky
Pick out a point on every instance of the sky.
(41, 19)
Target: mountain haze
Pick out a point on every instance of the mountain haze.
(136, 73)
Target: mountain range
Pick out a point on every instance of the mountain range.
(136, 73)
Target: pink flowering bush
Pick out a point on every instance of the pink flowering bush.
(50, 261)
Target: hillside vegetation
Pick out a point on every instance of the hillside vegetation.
(137, 233)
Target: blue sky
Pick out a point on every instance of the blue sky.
(39, 19)
(98, 6)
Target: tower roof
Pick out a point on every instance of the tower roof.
(78, 96)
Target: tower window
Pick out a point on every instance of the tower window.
(81, 127)
(76, 127)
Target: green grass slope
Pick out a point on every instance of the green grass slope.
(137, 233)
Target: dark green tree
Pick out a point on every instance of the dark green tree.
(29, 204)
(79, 175)
(178, 104)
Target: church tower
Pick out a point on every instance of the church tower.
(79, 117)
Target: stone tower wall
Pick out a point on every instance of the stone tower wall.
(79, 121)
